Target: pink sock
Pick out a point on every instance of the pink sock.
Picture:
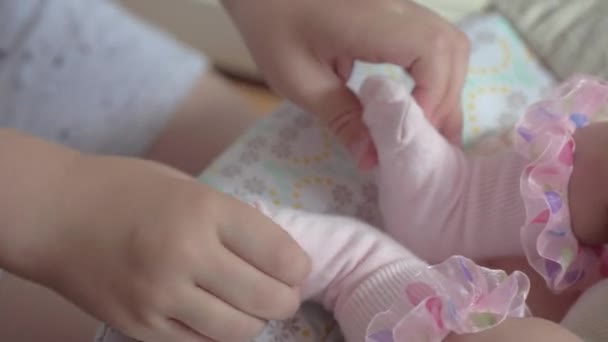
(434, 199)
(377, 289)
(357, 271)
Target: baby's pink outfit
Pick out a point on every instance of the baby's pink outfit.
(380, 292)
(378, 289)
(439, 202)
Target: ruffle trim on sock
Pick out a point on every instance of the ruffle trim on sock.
(545, 137)
(455, 296)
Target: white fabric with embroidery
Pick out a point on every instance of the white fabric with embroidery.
(87, 74)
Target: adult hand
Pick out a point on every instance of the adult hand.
(306, 50)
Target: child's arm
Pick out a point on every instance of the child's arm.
(139, 245)
(211, 118)
(92, 76)
(307, 49)
(33, 198)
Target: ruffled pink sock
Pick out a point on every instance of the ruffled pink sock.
(378, 289)
(434, 199)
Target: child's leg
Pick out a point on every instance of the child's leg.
(456, 205)
(358, 273)
(520, 329)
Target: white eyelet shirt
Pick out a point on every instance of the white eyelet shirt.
(88, 74)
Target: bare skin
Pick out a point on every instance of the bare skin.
(212, 116)
(520, 329)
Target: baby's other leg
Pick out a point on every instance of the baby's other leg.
(588, 188)
(434, 199)
(211, 118)
(520, 329)
(588, 317)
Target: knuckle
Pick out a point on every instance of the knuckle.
(178, 250)
(343, 122)
(244, 331)
(291, 264)
(159, 300)
(188, 251)
(143, 316)
(202, 202)
(289, 300)
(440, 42)
(197, 200)
(276, 303)
(462, 41)
(263, 301)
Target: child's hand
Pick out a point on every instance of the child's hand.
(306, 50)
(164, 258)
(588, 188)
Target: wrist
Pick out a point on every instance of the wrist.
(33, 204)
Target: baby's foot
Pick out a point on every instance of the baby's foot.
(376, 287)
(434, 199)
(357, 272)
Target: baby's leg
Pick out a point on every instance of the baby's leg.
(358, 273)
(588, 187)
(520, 329)
(588, 317)
(434, 199)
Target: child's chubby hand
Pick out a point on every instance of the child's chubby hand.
(162, 257)
(306, 50)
